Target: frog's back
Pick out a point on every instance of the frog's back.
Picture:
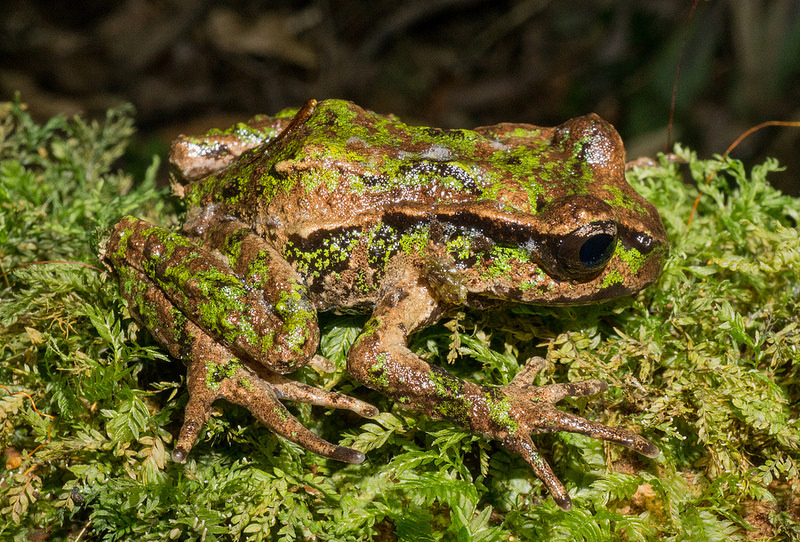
(341, 189)
(346, 160)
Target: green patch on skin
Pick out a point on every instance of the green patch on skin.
(267, 341)
(372, 325)
(363, 283)
(449, 390)
(163, 242)
(415, 242)
(382, 244)
(179, 321)
(135, 289)
(612, 278)
(329, 177)
(446, 385)
(527, 169)
(456, 411)
(122, 247)
(620, 199)
(377, 372)
(500, 411)
(542, 281)
(258, 270)
(223, 298)
(459, 247)
(281, 413)
(246, 134)
(504, 260)
(232, 246)
(335, 250)
(632, 257)
(216, 373)
(523, 132)
(298, 316)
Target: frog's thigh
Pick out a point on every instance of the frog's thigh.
(214, 372)
(279, 330)
(265, 271)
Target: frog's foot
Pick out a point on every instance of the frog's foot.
(532, 410)
(260, 391)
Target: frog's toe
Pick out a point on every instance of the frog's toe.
(195, 416)
(291, 390)
(262, 400)
(553, 420)
(553, 393)
(543, 417)
(522, 385)
(523, 445)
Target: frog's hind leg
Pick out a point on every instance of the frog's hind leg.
(214, 375)
(173, 286)
(228, 281)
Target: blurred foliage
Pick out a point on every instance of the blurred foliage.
(449, 63)
(705, 362)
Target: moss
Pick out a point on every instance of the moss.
(377, 372)
(298, 317)
(216, 373)
(504, 260)
(499, 407)
(703, 363)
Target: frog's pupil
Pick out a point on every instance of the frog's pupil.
(596, 250)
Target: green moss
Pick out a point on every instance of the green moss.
(504, 260)
(499, 407)
(216, 373)
(298, 316)
(245, 133)
(703, 363)
(612, 278)
(632, 257)
(377, 372)
(621, 199)
(415, 241)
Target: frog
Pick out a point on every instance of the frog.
(332, 207)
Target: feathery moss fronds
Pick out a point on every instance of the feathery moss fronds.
(705, 362)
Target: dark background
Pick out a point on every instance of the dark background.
(188, 65)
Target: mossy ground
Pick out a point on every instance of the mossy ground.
(704, 363)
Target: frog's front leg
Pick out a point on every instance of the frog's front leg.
(381, 360)
(238, 316)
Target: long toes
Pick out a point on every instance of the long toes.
(291, 429)
(260, 398)
(291, 390)
(528, 372)
(524, 446)
(557, 420)
(553, 393)
(196, 414)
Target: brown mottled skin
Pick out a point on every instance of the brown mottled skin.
(340, 208)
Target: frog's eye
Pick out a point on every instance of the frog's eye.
(586, 251)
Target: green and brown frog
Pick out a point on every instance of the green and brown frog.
(333, 207)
